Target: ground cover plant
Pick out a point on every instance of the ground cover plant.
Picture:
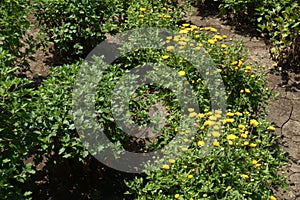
(241, 157)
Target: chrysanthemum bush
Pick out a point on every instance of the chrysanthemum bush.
(240, 162)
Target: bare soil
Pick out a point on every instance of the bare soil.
(67, 181)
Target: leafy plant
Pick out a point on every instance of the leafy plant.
(76, 27)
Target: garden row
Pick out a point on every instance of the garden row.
(241, 159)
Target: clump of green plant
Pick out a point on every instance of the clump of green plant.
(240, 162)
(13, 26)
(279, 20)
(276, 20)
(15, 142)
(76, 27)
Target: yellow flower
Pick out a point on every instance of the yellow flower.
(271, 128)
(197, 36)
(212, 118)
(230, 142)
(241, 126)
(219, 70)
(165, 56)
(243, 135)
(247, 90)
(166, 167)
(242, 91)
(246, 143)
(248, 68)
(172, 161)
(228, 188)
(213, 30)
(238, 113)
(176, 38)
(142, 9)
(200, 143)
(184, 149)
(177, 196)
(240, 63)
(253, 145)
(185, 140)
(204, 195)
(216, 143)
(198, 48)
(201, 115)
(224, 46)
(185, 25)
(190, 176)
(244, 176)
(211, 42)
(272, 198)
(141, 16)
(224, 36)
(231, 137)
(194, 27)
(216, 134)
(184, 31)
(208, 123)
(230, 114)
(218, 37)
(167, 16)
(216, 128)
(170, 48)
(253, 122)
(254, 162)
(181, 73)
(234, 63)
(193, 114)
(229, 120)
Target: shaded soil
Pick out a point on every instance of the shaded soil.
(69, 180)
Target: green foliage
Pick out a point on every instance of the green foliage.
(13, 26)
(14, 143)
(76, 27)
(280, 21)
(240, 165)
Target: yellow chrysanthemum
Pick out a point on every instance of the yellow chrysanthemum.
(211, 41)
(172, 161)
(166, 167)
(184, 31)
(230, 114)
(216, 143)
(243, 135)
(190, 176)
(200, 143)
(176, 196)
(228, 188)
(231, 137)
(244, 176)
(216, 134)
(271, 128)
(181, 73)
(170, 48)
(165, 57)
(253, 122)
(142, 9)
(224, 46)
(253, 145)
(272, 198)
(247, 90)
